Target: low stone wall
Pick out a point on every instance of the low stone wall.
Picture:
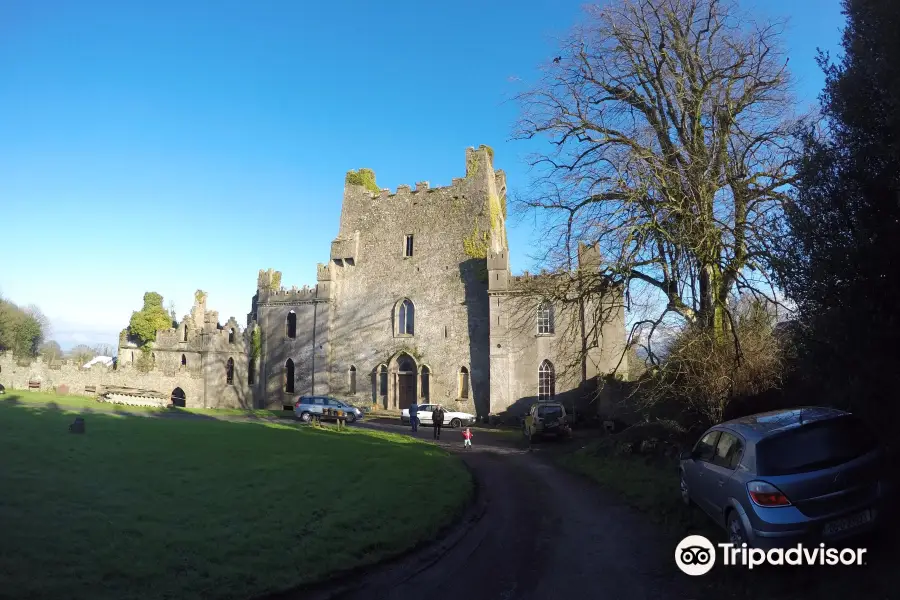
(93, 381)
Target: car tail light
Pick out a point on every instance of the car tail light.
(766, 494)
(296, 404)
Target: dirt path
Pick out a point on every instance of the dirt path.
(544, 533)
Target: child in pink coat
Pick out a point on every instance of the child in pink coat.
(467, 438)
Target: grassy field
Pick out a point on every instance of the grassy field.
(189, 508)
(652, 488)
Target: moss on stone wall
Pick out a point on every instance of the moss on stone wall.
(200, 296)
(365, 178)
(476, 245)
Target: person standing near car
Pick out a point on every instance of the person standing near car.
(413, 416)
(437, 418)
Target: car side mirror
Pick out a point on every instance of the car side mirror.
(686, 454)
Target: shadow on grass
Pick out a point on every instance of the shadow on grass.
(652, 486)
(204, 507)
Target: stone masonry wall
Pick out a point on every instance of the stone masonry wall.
(16, 377)
(446, 284)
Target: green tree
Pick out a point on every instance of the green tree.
(839, 261)
(146, 322)
(21, 330)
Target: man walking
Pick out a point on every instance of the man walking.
(413, 416)
(437, 417)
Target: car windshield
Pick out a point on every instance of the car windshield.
(549, 411)
(816, 446)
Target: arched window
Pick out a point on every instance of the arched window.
(463, 382)
(185, 332)
(289, 376)
(291, 325)
(406, 317)
(251, 372)
(351, 376)
(545, 318)
(231, 336)
(546, 381)
(183, 360)
(229, 371)
(426, 384)
(382, 380)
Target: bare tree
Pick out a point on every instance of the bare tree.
(81, 354)
(670, 125)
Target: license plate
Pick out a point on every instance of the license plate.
(847, 523)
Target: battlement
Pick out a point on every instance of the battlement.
(363, 180)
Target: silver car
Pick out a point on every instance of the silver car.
(780, 478)
(308, 407)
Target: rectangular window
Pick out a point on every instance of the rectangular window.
(408, 248)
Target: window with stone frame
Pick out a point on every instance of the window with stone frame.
(229, 371)
(463, 382)
(290, 328)
(351, 376)
(289, 376)
(408, 245)
(406, 318)
(545, 319)
(546, 381)
(426, 383)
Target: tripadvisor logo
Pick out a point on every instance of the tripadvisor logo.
(696, 555)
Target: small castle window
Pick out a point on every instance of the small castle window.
(229, 371)
(291, 328)
(406, 318)
(546, 381)
(351, 376)
(408, 246)
(426, 387)
(183, 360)
(289, 376)
(185, 332)
(382, 380)
(231, 336)
(545, 319)
(463, 382)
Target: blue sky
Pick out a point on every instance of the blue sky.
(171, 146)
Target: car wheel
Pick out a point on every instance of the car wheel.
(351, 418)
(454, 423)
(736, 533)
(685, 492)
(305, 417)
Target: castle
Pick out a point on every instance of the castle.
(416, 302)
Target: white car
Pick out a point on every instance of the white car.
(451, 418)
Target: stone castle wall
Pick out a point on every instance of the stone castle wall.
(93, 381)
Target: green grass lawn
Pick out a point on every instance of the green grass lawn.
(652, 487)
(204, 508)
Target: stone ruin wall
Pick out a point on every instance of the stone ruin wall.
(95, 380)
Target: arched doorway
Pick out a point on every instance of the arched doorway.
(178, 399)
(406, 381)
